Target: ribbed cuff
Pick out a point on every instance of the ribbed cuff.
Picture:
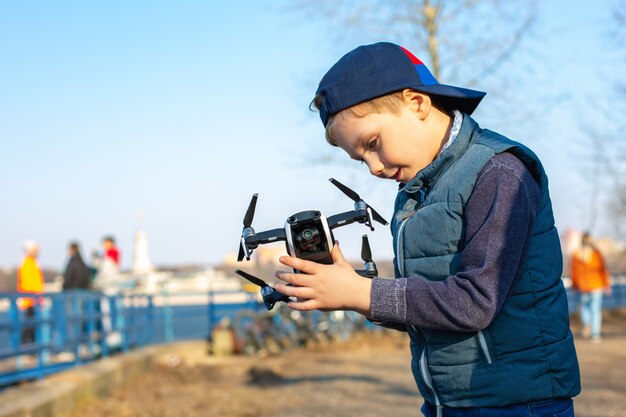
(388, 299)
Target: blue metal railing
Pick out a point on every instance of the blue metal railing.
(617, 298)
(64, 330)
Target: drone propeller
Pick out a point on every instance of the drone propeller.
(269, 294)
(356, 198)
(251, 278)
(347, 191)
(247, 223)
(247, 220)
(369, 267)
(241, 254)
(366, 252)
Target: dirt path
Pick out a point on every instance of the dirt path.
(603, 370)
(368, 376)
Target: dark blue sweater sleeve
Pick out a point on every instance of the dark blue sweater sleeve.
(499, 218)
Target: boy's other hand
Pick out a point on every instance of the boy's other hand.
(325, 287)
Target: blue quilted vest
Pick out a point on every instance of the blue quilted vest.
(527, 353)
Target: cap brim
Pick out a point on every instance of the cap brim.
(462, 99)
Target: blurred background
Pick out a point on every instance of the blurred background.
(163, 118)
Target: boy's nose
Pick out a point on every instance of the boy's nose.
(376, 168)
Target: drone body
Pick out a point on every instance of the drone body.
(307, 235)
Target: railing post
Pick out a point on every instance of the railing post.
(150, 320)
(120, 311)
(130, 314)
(168, 328)
(210, 313)
(75, 303)
(16, 335)
(91, 301)
(106, 323)
(41, 336)
(45, 325)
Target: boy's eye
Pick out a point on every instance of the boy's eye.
(372, 144)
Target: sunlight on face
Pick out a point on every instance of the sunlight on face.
(394, 146)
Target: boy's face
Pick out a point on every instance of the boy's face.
(394, 146)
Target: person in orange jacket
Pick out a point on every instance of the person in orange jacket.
(591, 279)
(29, 281)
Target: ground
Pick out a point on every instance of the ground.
(366, 376)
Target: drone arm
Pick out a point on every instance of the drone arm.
(252, 241)
(347, 217)
(268, 236)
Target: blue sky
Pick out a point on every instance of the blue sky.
(176, 112)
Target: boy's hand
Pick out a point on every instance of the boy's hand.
(325, 287)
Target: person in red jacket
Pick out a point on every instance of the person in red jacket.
(591, 279)
(110, 250)
(29, 281)
(107, 280)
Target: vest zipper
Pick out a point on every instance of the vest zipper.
(428, 381)
(399, 261)
(423, 362)
(483, 346)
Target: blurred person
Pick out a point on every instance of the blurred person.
(591, 279)
(107, 281)
(107, 275)
(29, 281)
(111, 250)
(77, 274)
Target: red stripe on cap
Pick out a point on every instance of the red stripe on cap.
(412, 57)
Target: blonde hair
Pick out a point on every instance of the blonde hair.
(390, 103)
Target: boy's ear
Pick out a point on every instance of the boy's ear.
(420, 103)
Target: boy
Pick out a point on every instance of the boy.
(477, 257)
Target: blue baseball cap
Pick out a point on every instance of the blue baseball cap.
(371, 71)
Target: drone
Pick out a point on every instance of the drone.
(308, 235)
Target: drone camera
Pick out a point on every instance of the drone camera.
(309, 237)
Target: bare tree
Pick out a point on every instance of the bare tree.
(607, 200)
(606, 135)
(463, 42)
(617, 165)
